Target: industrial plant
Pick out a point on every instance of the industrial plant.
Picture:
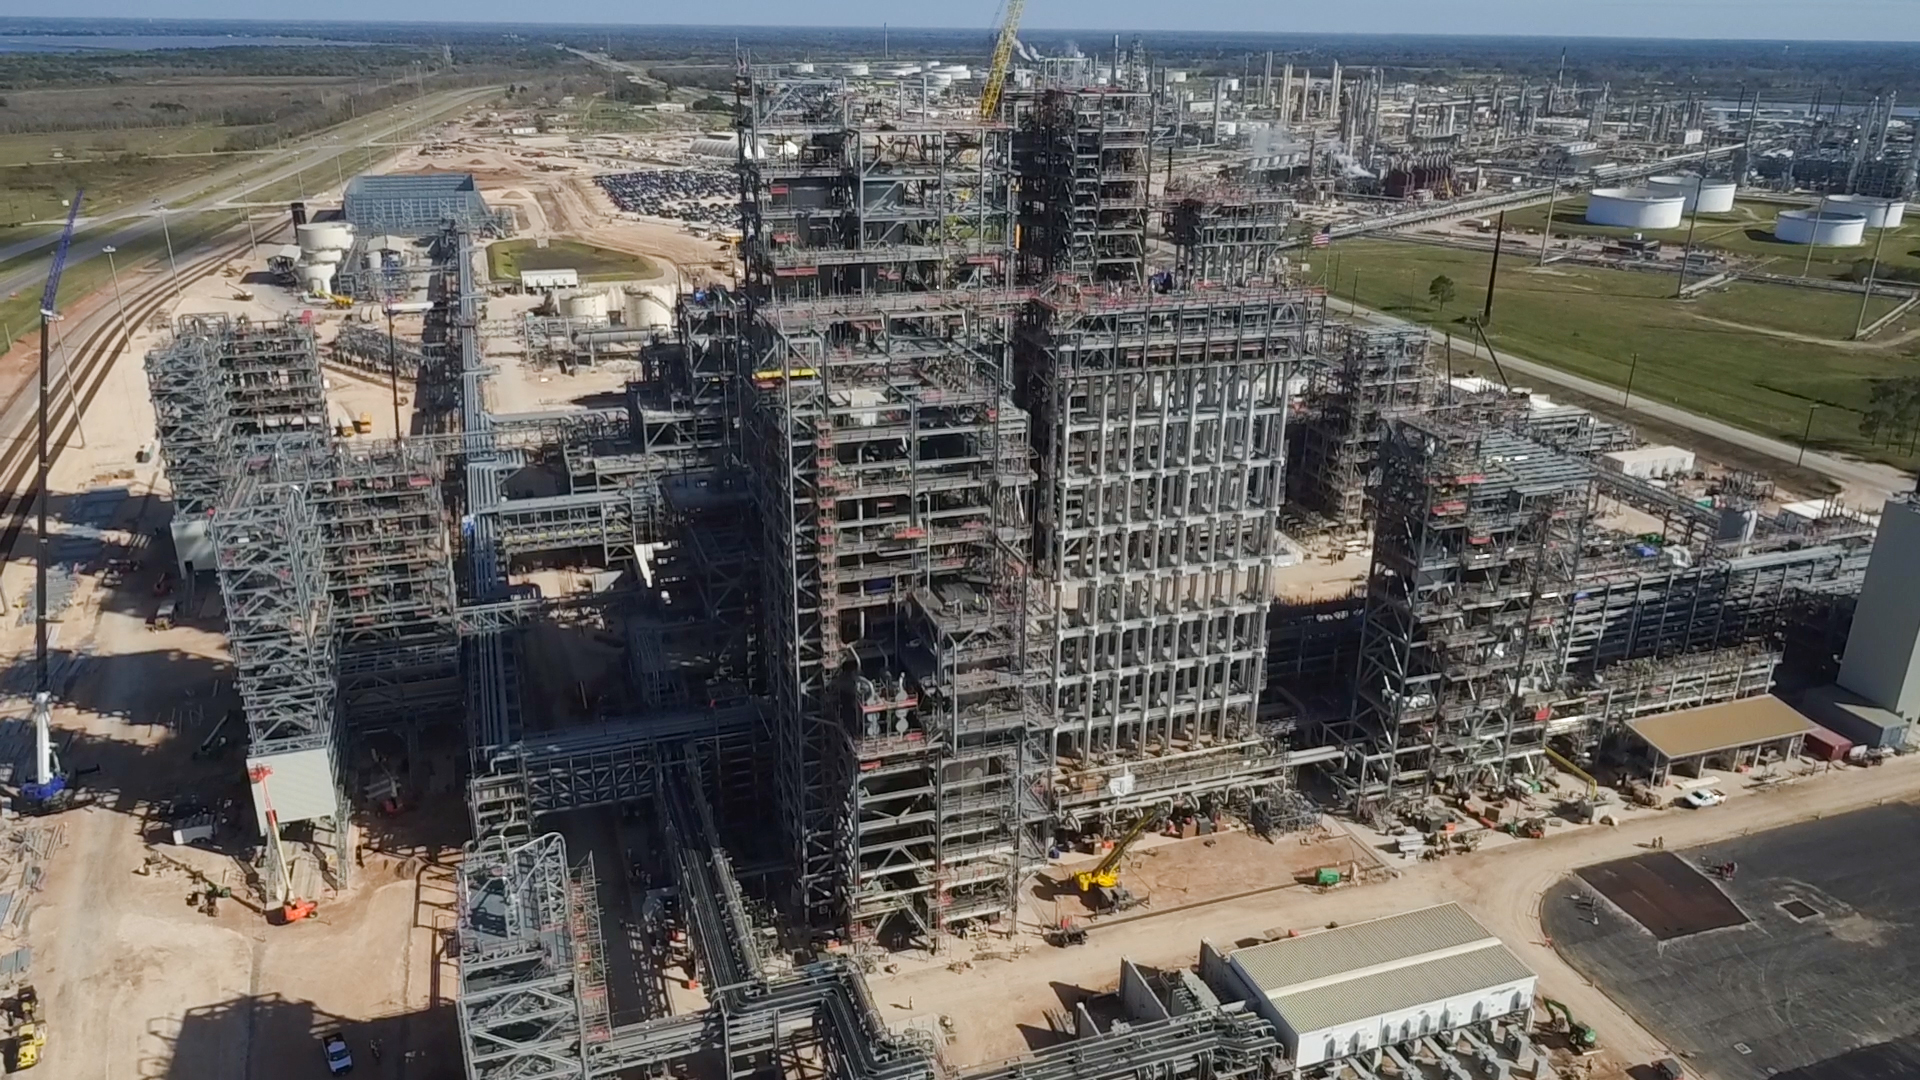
(957, 535)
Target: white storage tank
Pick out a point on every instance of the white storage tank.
(649, 307)
(959, 72)
(324, 236)
(585, 305)
(1635, 208)
(857, 70)
(939, 79)
(1827, 228)
(1715, 196)
(803, 68)
(316, 278)
(1880, 213)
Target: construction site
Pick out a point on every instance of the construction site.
(947, 584)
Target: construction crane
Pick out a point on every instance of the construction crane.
(1106, 874)
(49, 782)
(1002, 60)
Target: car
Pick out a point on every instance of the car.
(339, 1058)
(1701, 798)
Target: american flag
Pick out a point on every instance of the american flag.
(1323, 237)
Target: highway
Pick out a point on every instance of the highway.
(228, 187)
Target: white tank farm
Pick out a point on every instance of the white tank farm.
(1827, 228)
(1880, 213)
(856, 69)
(585, 305)
(1635, 208)
(1716, 196)
(324, 236)
(803, 68)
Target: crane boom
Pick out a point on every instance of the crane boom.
(1106, 873)
(1002, 59)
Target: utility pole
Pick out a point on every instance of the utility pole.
(1813, 241)
(118, 300)
(1806, 435)
(1635, 366)
(1873, 271)
(1699, 185)
(1553, 200)
(173, 267)
(1493, 272)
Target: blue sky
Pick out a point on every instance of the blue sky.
(1881, 20)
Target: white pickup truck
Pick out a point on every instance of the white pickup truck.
(339, 1058)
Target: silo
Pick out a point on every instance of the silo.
(1829, 229)
(324, 236)
(1716, 196)
(316, 278)
(1635, 208)
(803, 68)
(649, 307)
(1880, 213)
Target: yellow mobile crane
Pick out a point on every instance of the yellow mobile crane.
(1002, 59)
(1102, 883)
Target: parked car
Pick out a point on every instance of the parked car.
(1701, 798)
(339, 1058)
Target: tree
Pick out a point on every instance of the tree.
(1442, 292)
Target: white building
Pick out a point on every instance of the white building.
(546, 280)
(1353, 990)
(1650, 462)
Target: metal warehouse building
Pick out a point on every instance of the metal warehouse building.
(1357, 989)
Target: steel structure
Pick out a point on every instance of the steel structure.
(422, 205)
(1365, 378)
(1084, 156)
(1160, 423)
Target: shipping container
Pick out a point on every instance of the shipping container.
(1824, 745)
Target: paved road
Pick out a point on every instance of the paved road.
(1861, 474)
(228, 186)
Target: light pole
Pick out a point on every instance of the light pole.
(1693, 222)
(393, 374)
(1635, 366)
(118, 300)
(253, 242)
(1806, 435)
(172, 266)
(1814, 241)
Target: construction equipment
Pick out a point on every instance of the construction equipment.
(1002, 60)
(1580, 1036)
(295, 908)
(1106, 873)
(363, 424)
(29, 1031)
(1066, 933)
(337, 301)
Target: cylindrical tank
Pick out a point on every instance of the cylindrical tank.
(857, 69)
(330, 256)
(316, 278)
(1836, 228)
(959, 72)
(1716, 196)
(939, 79)
(803, 68)
(299, 210)
(585, 305)
(324, 236)
(649, 308)
(1634, 208)
(1880, 213)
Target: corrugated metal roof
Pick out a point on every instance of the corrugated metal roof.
(1279, 965)
(1730, 724)
(1348, 1000)
(1339, 976)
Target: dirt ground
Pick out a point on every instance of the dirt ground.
(998, 1000)
(136, 982)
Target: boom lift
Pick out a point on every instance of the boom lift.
(294, 908)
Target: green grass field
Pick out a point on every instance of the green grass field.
(1754, 355)
(506, 259)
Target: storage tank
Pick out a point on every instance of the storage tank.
(1716, 196)
(584, 305)
(324, 236)
(1880, 213)
(959, 72)
(857, 70)
(803, 68)
(1829, 228)
(316, 278)
(939, 79)
(649, 307)
(1634, 208)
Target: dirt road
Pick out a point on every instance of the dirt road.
(991, 1002)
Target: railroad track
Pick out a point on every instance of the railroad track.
(87, 370)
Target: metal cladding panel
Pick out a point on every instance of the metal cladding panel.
(1882, 659)
(299, 785)
(192, 545)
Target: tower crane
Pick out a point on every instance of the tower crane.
(1002, 60)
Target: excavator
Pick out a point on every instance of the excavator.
(1581, 1037)
(1101, 885)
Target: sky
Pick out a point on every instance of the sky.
(1790, 20)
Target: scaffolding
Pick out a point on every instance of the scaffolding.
(1160, 424)
(1477, 544)
(1227, 234)
(1368, 376)
(1084, 154)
